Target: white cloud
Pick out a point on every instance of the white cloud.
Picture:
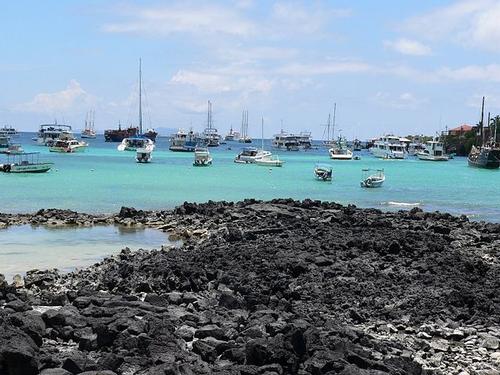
(180, 18)
(324, 68)
(408, 47)
(486, 73)
(405, 100)
(73, 97)
(473, 23)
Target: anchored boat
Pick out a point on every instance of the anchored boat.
(183, 141)
(249, 155)
(433, 151)
(26, 162)
(487, 154)
(371, 178)
(48, 134)
(323, 172)
(389, 147)
(89, 130)
(202, 157)
(8, 131)
(210, 137)
(244, 137)
(144, 155)
(340, 151)
(68, 146)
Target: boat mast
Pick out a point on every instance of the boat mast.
(481, 123)
(262, 140)
(489, 128)
(209, 115)
(140, 96)
(334, 114)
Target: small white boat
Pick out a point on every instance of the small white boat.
(134, 143)
(323, 172)
(144, 155)
(340, 151)
(372, 178)
(434, 151)
(68, 146)
(202, 157)
(249, 155)
(269, 161)
(27, 162)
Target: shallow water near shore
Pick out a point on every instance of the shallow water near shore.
(103, 179)
(27, 247)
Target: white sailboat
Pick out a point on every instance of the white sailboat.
(89, 131)
(244, 138)
(138, 142)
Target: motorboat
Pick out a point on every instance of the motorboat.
(14, 148)
(292, 142)
(372, 178)
(434, 151)
(27, 162)
(340, 151)
(249, 155)
(68, 146)
(183, 141)
(48, 134)
(89, 130)
(269, 161)
(389, 147)
(134, 143)
(323, 172)
(202, 157)
(8, 131)
(144, 155)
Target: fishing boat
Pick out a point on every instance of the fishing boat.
(210, 137)
(138, 141)
(8, 131)
(267, 160)
(487, 154)
(232, 135)
(48, 134)
(340, 151)
(27, 162)
(323, 172)
(244, 137)
(202, 157)
(183, 141)
(89, 130)
(118, 135)
(371, 178)
(433, 151)
(68, 146)
(389, 147)
(144, 155)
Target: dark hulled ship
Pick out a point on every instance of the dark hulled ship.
(487, 154)
(118, 135)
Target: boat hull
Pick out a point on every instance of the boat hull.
(432, 158)
(486, 159)
(27, 168)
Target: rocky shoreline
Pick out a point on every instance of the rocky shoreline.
(278, 287)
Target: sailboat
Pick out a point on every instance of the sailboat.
(138, 143)
(89, 131)
(329, 142)
(244, 138)
(267, 160)
(487, 154)
(210, 136)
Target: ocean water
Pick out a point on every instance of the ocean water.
(26, 247)
(103, 179)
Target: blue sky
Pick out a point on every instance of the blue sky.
(401, 67)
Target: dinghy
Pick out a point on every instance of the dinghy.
(372, 178)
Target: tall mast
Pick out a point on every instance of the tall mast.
(209, 115)
(489, 128)
(481, 124)
(328, 128)
(140, 96)
(334, 114)
(262, 140)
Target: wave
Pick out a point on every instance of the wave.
(402, 204)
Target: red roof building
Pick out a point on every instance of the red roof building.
(460, 130)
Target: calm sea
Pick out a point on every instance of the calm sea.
(103, 179)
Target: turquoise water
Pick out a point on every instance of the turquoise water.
(103, 179)
(24, 247)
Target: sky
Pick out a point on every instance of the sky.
(412, 67)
